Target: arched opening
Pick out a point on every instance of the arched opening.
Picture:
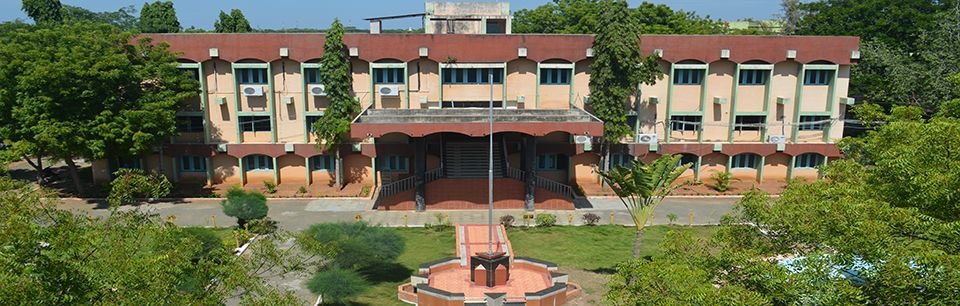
(808, 161)
(257, 162)
(745, 161)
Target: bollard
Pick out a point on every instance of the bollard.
(213, 221)
(612, 219)
(691, 218)
(570, 219)
(405, 220)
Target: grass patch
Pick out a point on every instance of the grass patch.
(592, 250)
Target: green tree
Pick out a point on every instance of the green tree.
(358, 245)
(130, 184)
(159, 17)
(89, 91)
(893, 22)
(790, 16)
(53, 257)
(333, 128)
(43, 11)
(224, 24)
(642, 187)
(124, 18)
(337, 286)
(244, 205)
(235, 22)
(583, 17)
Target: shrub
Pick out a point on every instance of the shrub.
(365, 191)
(672, 217)
(507, 220)
(546, 220)
(337, 285)
(129, 184)
(209, 241)
(244, 205)
(358, 244)
(270, 186)
(590, 219)
(302, 190)
(443, 223)
(722, 180)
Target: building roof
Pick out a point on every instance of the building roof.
(503, 48)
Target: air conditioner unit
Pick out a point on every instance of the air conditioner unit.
(783, 100)
(719, 100)
(653, 100)
(288, 147)
(848, 101)
(586, 99)
(521, 99)
(221, 101)
(647, 138)
(582, 139)
(423, 100)
(252, 91)
(288, 100)
(318, 90)
(389, 91)
(778, 139)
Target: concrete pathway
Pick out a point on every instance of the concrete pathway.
(298, 214)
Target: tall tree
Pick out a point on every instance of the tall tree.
(43, 11)
(88, 91)
(894, 22)
(790, 16)
(124, 18)
(333, 128)
(159, 17)
(234, 22)
(582, 17)
(642, 187)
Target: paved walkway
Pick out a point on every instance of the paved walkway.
(298, 214)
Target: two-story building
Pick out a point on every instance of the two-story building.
(764, 108)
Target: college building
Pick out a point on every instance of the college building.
(764, 108)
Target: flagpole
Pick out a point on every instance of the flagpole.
(490, 172)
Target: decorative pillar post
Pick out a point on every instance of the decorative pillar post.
(420, 164)
(530, 169)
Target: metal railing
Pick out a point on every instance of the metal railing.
(408, 183)
(542, 182)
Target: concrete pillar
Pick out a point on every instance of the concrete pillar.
(420, 164)
(530, 168)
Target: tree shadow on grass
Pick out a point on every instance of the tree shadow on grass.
(386, 272)
(604, 270)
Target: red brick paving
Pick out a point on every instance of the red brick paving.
(472, 194)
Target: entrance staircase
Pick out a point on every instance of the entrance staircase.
(470, 159)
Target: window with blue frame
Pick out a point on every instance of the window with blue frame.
(194, 73)
(193, 164)
(753, 77)
(817, 77)
(745, 161)
(255, 123)
(258, 163)
(189, 124)
(621, 160)
(555, 76)
(252, 75)
(388, 75)
(813, 123)
(685, 123)
(808, 161)
(750, 123)
(323, 163)
(552, 162)
(310, 121)
(394, 163)
(311, 75)
(472, 75)
(688, 76)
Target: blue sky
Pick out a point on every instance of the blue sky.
(319, 13)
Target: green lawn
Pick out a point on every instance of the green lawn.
(587, 252)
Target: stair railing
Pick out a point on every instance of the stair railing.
(398, 186)
(542, 182)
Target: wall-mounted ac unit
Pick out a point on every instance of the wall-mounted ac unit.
(653, 100)
(647, 138)
(783, 100)
(778, 139)
(288, 100)
(582, 139)
(288, 147)
(521, 99)
(221, 147)
(318, 90)
(389, 91)
(586, 99)
(848, 101)
(221, 101)
(252, 91)
(719, 100)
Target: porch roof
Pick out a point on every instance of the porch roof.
(474, 122)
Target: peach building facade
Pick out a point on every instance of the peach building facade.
(760, 107)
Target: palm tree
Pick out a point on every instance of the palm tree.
(642, 187)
